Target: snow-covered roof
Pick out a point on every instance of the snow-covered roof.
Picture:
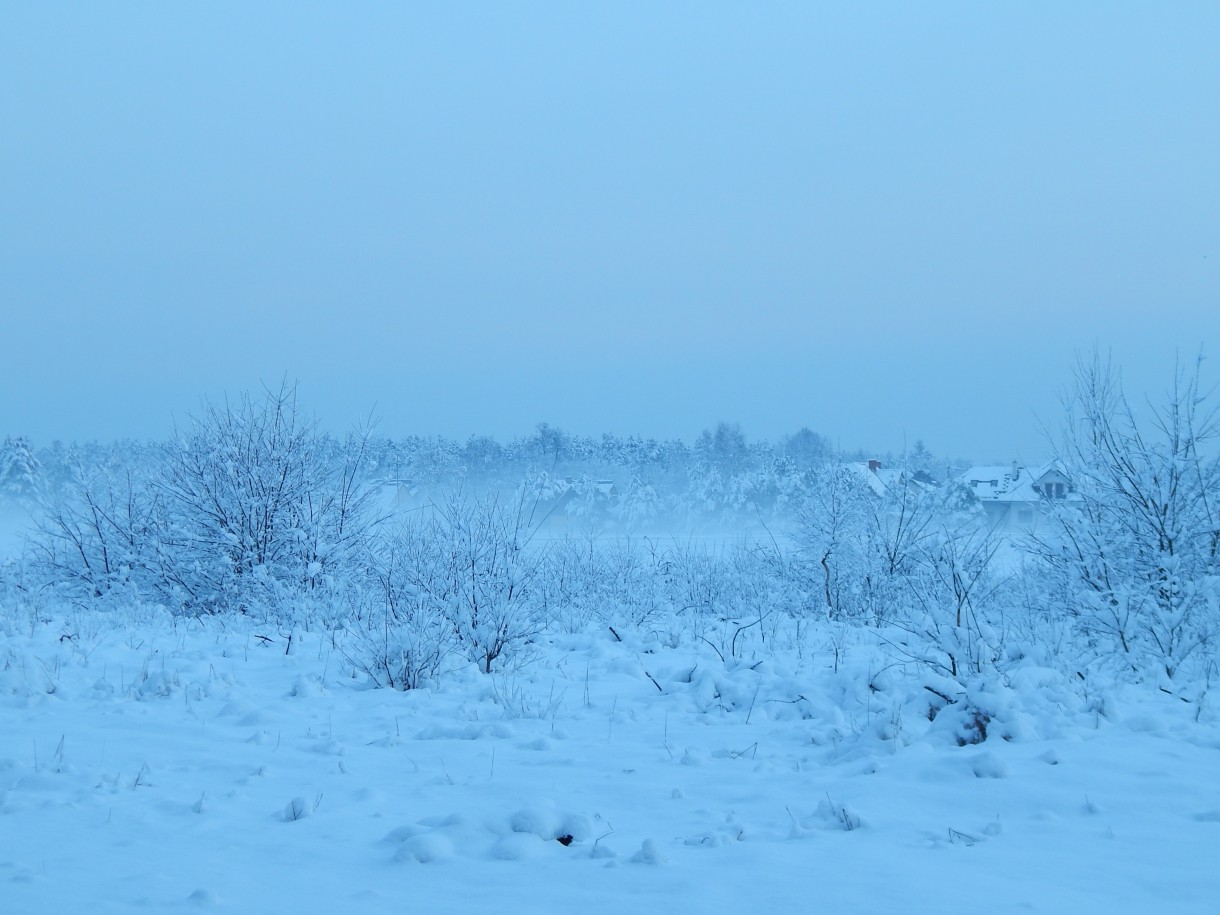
(884, 480)
(867, 476)
(1007, 482)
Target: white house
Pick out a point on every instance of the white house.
(1015, 498)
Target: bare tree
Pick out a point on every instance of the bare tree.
(1140, 533)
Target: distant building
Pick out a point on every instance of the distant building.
(890, 480)
(1015, 498)
(569, 501)
(400, 495)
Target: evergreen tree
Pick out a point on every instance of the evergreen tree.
(20, 472)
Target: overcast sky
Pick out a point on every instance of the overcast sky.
(885, 223)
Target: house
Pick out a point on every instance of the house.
(398, 495)
(567, 501)
(885, 481)
(1016, 498)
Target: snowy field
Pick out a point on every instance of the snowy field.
(162, 765)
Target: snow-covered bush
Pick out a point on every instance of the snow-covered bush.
(102, 537)
(632, 586)
(471, 564)
(954, 608)
(864, 539)
(569, 587)
(397, 636)
(249, 509)
(256, 504)
(1136, 545)
(22, 600)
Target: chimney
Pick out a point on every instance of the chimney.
(874, 465)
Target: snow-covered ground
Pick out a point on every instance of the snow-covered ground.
(155, 765)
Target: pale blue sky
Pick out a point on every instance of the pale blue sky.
(884, 222)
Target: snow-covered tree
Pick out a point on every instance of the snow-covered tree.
(1137, 541)
(639, 506)
(806, 449)
(20, 471)
(103, 536)
(257, 507)
(723, 449)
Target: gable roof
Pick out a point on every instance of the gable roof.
(1009, 482)
(886, 480)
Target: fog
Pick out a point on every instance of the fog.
(887, 224)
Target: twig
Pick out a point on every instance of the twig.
(714, 648)
(740, 753)
(753, 699)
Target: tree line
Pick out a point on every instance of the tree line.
(250, 509)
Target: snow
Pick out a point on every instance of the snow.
(160, 764)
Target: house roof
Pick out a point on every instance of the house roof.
(885, 480)
(1007, 482)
